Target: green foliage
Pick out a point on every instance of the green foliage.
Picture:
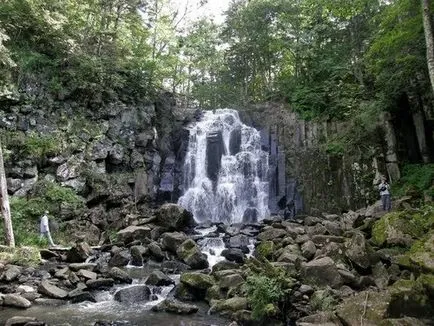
(263, 293)
(26, 212)
(416, 180)
(23, 256)
(33, 145)
(268, 289)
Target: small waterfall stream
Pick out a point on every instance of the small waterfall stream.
(225, 170)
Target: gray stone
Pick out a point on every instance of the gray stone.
(172, 241)
(234, 254)
(357, 250)
(79, 253)
(88, 275)
(119, 275)
(16, 301)
(174, 217)
(133, 294)
(308, 249)
(21, 321)
(77, 295)
(175, 306)
(321, 272)
(116, 154)
(191, 254)
(100, 283)
(271, 234)
(158, 278)
(333, 228)
(77, 266)
(132, 233)
(155, 251)
(11, 273)
(231, 281)
(119, 259)
(137, 254)
(51, 290)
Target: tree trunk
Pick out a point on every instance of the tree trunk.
(9, 232)
(427, 26)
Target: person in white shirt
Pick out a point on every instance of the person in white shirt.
(385, 194)
(45, 229)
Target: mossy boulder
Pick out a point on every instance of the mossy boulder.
(420, 257)
(353, 309)
(190, 253)
(412, 298)
(197, 280)
(265, 249)
(402, 228)
(229, 305)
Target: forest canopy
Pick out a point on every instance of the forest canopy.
(325, 58)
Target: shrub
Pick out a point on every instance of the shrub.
(416, 180)
(263, 293)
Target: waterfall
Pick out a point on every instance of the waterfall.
(225, 175)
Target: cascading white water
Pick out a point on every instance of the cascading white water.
(225, 170)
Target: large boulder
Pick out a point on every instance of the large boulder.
(158, 278)
(321, 272)
(16, 301)
(174, 217)
(51, 290)
(10, 273)
(190, 253)
(132, 232)
(359, 252)
(133, 294)
(172, 241)
(234, 254)
(119, 275)
(271, 234)
(198, 282)
(79, 253)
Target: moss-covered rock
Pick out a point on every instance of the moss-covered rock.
(230, 305)
(265, 249)
(402, 228)
(353, 309)
(197, 280)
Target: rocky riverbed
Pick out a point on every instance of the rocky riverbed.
(328, 269)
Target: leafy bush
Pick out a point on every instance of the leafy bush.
(416, 180)
(263, 293)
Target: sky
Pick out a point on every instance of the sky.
(212, 9)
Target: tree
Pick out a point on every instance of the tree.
(427, 26)
(6, 213)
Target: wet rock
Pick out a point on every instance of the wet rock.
(239, 241)
(79, 253)
(234, 254)
(197, 280)
(158, 278)
(190, 253)
(51, 290)
(321, 272)
(137, 254)
(132, 233)
(175, 306)
(119, 259)
(271, 234)
(265, 249)
(16, 301)
(172, 241)
(119, 275)
(23, 321)
(133, 294)
(100, 283)
(182, 292)
(174, 266)
(174, 217)
(76, 296)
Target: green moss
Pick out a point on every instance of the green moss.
(412, 223)
(265, 249)
(24, 256)
(323, 300)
